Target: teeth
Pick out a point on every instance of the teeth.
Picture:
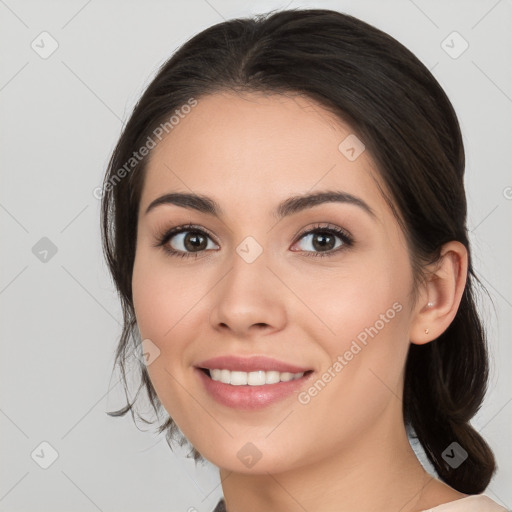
(257, 378)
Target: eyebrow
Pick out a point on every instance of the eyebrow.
(289, 206)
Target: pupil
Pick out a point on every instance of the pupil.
(193, 242)
(323, 244)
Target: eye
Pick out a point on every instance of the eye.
(191, 240)
(185, 241)
(325, 240)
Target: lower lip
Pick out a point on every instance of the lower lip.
(250, 397)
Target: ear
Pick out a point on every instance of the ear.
(440, 296)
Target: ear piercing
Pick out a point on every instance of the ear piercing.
(429, 305)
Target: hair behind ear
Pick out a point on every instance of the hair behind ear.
(445, 386)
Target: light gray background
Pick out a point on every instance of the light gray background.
(60, 319)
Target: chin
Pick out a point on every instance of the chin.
(249, 457)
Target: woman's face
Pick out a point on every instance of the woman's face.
(262, 280)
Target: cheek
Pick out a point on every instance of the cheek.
(160, 311)
(363, 365)
(363, 324)
(170, 313)
(162, 296)
(154, 302)
(366, 296)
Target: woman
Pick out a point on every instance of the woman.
(284, 217)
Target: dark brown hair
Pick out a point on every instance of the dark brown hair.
(408, 125)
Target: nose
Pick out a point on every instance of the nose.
(249, 300)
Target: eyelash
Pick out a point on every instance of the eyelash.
(345, 237)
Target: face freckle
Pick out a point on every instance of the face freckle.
(346, 315)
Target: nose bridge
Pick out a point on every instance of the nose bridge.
(249, 272)
(250, 250)
(248, 293)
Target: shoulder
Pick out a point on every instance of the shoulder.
(474, 503)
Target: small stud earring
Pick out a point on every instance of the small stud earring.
(430, 304)
(426, 331)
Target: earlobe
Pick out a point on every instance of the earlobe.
(441, 294)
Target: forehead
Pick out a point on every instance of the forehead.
(232, 146)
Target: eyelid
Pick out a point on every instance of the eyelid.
(325, 226)
(168, 233)
(345, 236)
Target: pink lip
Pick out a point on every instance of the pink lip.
(249, 364)
(249, 397)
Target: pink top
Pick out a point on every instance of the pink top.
(473, 503)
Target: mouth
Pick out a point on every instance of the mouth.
(250, 383)
(253, 378)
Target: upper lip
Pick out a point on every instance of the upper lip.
(249, 364)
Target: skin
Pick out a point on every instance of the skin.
(249, 153)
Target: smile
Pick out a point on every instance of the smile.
(256, 378)
(251, 390)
